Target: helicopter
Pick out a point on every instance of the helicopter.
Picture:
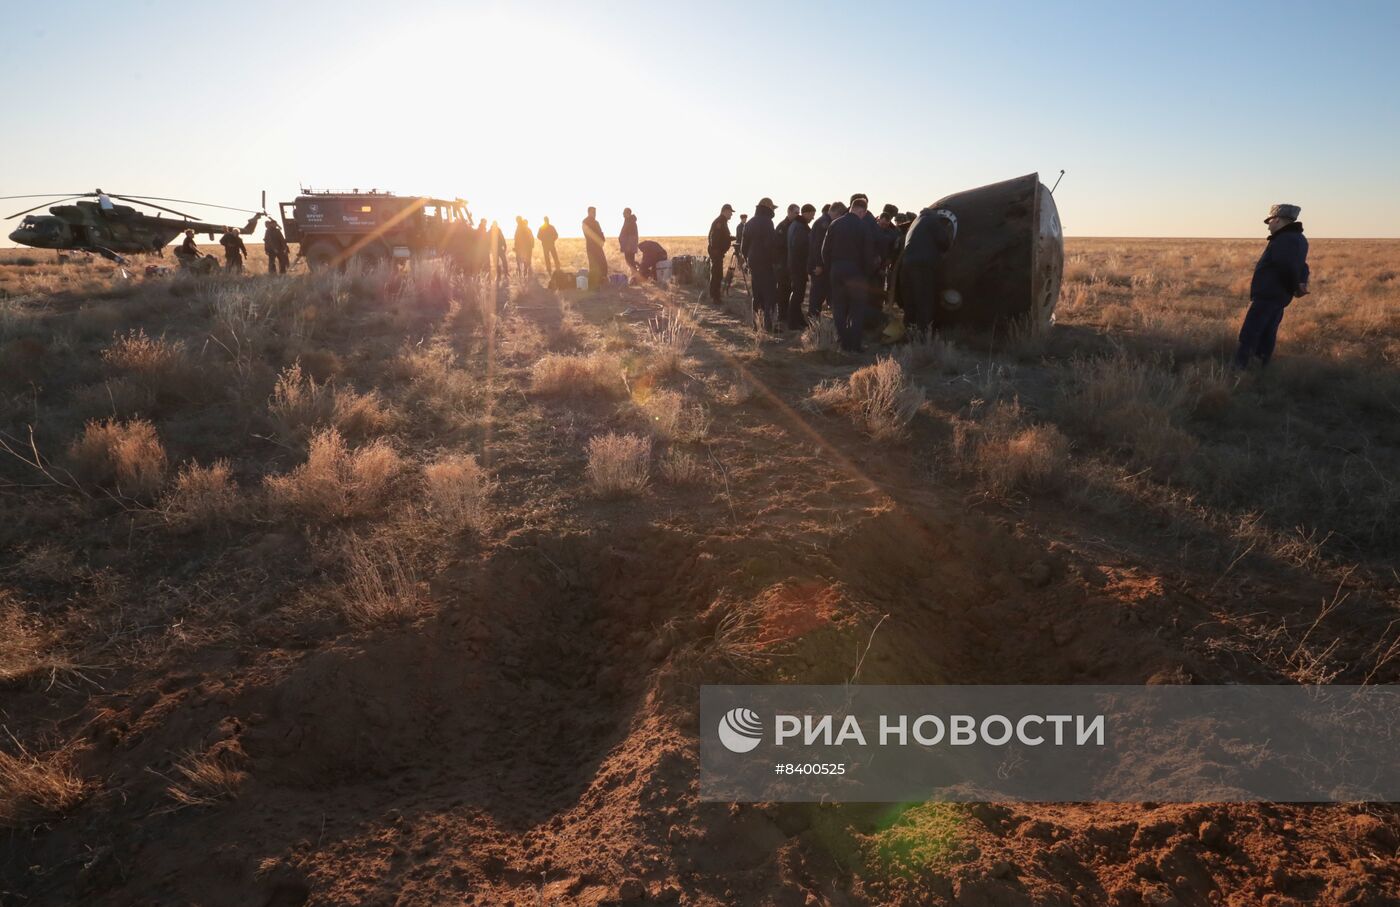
(104, 227)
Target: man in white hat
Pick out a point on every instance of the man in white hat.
(1280, 275)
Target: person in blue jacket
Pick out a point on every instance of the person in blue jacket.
(848, 255)
(916, 285)
(1280, 275)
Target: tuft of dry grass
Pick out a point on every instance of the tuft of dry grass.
(681, 468)
(819, 336)
(1006, 454)
(202, 497)
(300, 405)
(380, 585)
(456, 492)
(125, 456)
(877, 396)
(206, 778)
(669, 335)
(571, 375)
(160, 367)
(619, 464)
(670, 417)
(32, 787)
(22, 643)
(335, 482)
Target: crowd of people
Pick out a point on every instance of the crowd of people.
(858, 263)
(846, 258)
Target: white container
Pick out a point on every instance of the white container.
(663, 272)
(581, 282)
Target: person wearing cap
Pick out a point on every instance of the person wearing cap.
(718, 243)
(848, 255)
(760, 251)
(234, 250)
(189, 246)
(821, 282)
(799, 238)
(627, 238)
(593, 244)
(916, 279)
(1280, 275)
(276, 248)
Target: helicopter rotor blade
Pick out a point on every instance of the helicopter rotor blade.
(183, 201)
(134, 200)
(46, 195)
(44, 205)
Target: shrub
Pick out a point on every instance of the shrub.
(877, 396)
(670, 335)
(336, 482)
(202, 496)
(160, 367)
(125, 456)
(1006, 454)
(681, 468)
(669, 416)
(563, 374)
(619, 464)
(379, 585)
(456, 490)
(300, 405)
(819, 336)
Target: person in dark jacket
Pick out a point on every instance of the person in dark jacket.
(718, 243)
(1280, 275)
(275, 245)
(627, 238)
(916, 285)
(780, 268)
(234, 250)
(593, 243)
(500, 253)
(760, 250)
(548, 236)
(848, 255)
(799, 238)
(652, 255)
(821, 281)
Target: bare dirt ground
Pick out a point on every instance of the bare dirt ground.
(400, 589)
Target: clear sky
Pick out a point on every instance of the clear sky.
(1171, 118)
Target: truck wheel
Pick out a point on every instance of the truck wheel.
(322, 256)
(369, 258)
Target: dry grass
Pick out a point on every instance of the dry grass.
(380, 585)
(300, 405)
(669, 335)
(878, 397)
(33, 787)
(678, 467)
(1006, 454)
(336, 482)
(124, 456)
(619, 464)
(671, 417)
(457, 492)
(202, 497)
(161, 368)
(819, 336)
(206, 778)
(576, 375)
